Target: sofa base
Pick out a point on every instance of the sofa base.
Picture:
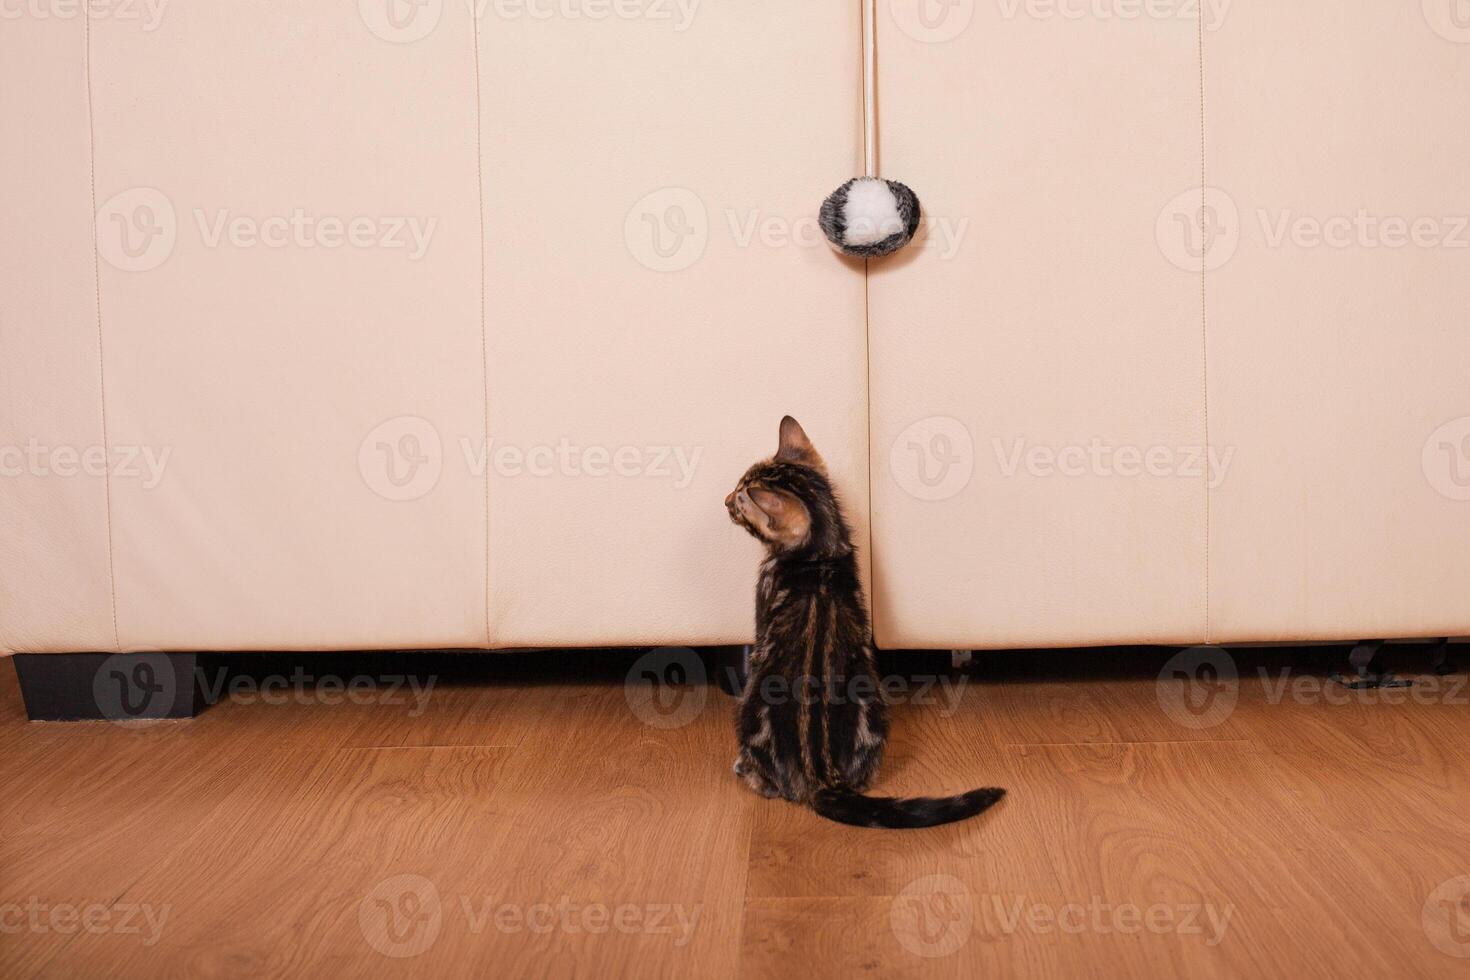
(146, 686)
(118, 687)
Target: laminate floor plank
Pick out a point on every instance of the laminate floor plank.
(573, 824)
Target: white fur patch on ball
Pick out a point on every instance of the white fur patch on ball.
(870, 216)
(871, 212)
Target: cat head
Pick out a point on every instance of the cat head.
(787, 503)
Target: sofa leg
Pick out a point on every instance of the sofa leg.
(112, 687)
(1439, 657)
(728, 665)
(1365, 674)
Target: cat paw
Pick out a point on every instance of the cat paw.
(762, 787)
(752, 778)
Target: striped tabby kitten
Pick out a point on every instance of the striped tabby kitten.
(812, 718)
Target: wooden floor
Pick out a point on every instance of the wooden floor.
(541, 818)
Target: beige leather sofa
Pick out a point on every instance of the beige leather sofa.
(417, 325)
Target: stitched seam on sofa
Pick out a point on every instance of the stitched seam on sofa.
(97, 299)
(484, 344)
(1204, 319)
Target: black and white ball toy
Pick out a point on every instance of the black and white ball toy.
(870, 216)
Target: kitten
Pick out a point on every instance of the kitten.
(812, 719)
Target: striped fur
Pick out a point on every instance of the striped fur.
(812, 720)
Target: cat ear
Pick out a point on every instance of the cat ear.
(786, 518)
(776, 505)
(795, 447)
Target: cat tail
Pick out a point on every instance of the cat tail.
(845, 806)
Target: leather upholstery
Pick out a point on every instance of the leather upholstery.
(55, 590)
(1036, 317)
(1127, 286)
(323, 404)
(1339, 358)
(336, 245)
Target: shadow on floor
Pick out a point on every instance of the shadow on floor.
(605, 666)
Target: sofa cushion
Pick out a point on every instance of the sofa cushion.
(1037, 356)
